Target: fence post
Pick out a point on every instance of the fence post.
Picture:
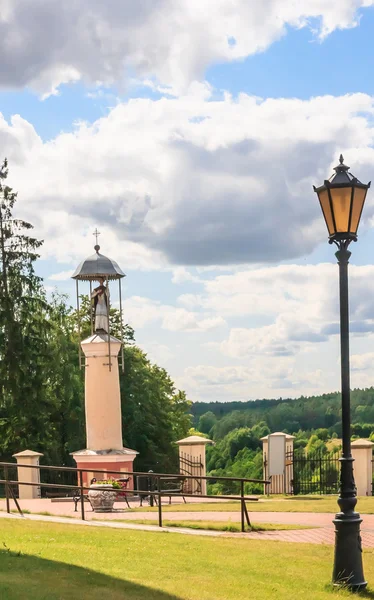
(6, 489)
(242, 505)
(82, 494)
(150, 489)
(159, 502)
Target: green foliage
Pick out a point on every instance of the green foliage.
(206, 422)
(238, 454)
(112, 482)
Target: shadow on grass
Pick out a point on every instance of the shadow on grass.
(26, 576)
(368, 593)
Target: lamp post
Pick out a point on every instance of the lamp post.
(342, 199)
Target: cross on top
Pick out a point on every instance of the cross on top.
(96, 233)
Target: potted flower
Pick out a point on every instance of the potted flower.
(102, 494)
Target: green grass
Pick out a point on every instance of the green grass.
(217, 526)
(315, 504)
(45, 561)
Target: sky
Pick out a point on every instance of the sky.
(190, 134)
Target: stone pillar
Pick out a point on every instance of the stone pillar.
(362, 451)
(104, 449)
(192, 461)
(28, 457)
(281, 480)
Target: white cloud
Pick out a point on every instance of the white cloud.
(160, 354)
(300, 302)
(362, 362)
(168, 190)
(45, 44)
(287, 340)
(142, 311)
(61, 276)
(182, 275)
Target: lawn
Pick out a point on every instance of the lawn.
(45, 561)
(214, 526)
(316, 504)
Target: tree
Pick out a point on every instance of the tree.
(25, 329)
(206, 422)
(66, 382)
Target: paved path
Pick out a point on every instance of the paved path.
(321, 532)
(321, 535)
(121, 512)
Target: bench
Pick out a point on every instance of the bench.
(173, 485)
(147, 488)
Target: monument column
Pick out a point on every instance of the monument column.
(104, 447)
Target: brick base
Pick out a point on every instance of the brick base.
(123, 467)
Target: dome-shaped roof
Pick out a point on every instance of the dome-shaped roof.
(96, 266)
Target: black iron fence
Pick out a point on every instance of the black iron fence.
(312, 473)
(68, 478)
(156, 486)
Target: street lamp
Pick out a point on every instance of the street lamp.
(342, 199)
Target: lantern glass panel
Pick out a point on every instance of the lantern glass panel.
(326, 209)
(341, 204)
(358, 203)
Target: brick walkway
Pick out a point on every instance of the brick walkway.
(321, 532)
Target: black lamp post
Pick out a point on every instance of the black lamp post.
(342, 199)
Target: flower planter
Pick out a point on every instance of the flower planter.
(102, 497)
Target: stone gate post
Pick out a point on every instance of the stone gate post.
(362, 451)
(28, 457)
(277, 451)
(192, 461)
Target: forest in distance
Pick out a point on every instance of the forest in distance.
(237, 429)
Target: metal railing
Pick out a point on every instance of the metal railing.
(156, 487)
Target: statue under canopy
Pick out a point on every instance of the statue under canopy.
(100, 297)
(102, 269)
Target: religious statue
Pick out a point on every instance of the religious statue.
(100, 296)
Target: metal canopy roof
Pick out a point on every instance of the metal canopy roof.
(96, 266)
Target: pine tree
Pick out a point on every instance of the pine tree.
(25, 328)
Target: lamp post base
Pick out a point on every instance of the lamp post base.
(348, 570)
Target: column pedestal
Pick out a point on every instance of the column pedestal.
(105, 449)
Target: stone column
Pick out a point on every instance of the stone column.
(280, 474)
(362, 451)
(102, 393)
(192, 461)
(104, 449)
(28, 457)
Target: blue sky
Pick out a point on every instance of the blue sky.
(191, 135)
